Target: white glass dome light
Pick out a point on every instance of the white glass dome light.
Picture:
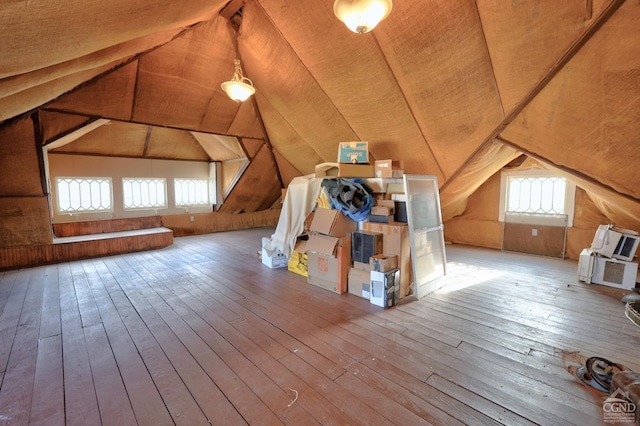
(361, 16)
(239, 88)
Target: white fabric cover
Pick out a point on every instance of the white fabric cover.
(299, 201)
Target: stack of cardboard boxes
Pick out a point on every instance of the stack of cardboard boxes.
(370, 259)
(329, 250)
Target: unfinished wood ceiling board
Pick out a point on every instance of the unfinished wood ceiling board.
(525, 39)
(179, 83)
(288, 93)
(48, 33)
(619, 209)
(586, 214)
(478, 225)
(174, 144)
(488, 161)
(587, 117)
(439, 57)
(19, 160)
(245, 123)
(229, 172)
(55, 124)
(258, 187)
(351, 70)
(253, 146)
(34, 97)
(219, 147)
(291, 145)
(114, 139)
(121, 52)
(287, 170)
(109, 96)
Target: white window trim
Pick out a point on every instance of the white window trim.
(154, 208)
(176, 181)
(78, 212)
(551, 220)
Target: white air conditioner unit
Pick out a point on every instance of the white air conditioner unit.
(595, 269)
(614, 242)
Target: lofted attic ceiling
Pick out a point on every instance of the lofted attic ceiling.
(455, 88)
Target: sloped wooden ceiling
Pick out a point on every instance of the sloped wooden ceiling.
(455, 88)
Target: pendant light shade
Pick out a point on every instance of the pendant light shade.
(239, 88)
(361, 16)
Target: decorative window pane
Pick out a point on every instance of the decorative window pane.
(191, 192)
(78, 195)
(144, 193)
(537, 195)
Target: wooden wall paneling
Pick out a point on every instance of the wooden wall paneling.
(70, 229)
(204, 223)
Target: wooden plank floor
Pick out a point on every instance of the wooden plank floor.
(202, 333)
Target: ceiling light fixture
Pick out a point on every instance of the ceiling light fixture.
(239, 88)
(361, 16)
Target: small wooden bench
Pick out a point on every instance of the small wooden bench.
(84, 240)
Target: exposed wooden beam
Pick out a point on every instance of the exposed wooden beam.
(146, 141)
(267, 142)
(89, 120)
(244, 148)
(39, 141)
(93, 154)
(92, 117)
(70, 137)
(231, 8)
(542, 83)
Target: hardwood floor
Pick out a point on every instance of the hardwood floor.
(201, 332)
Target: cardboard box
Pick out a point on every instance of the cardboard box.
(394, 188)
(353, 152)
(332, 222)
(362, 266)
(399, 197)
(328, 262)
(389, 168)
(355, 170)
(359, 283)
(384, 208)
(365, 244)
(383, 262)
(385, 288)
(395, 240)
(381, 185)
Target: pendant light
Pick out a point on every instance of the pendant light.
(361, 16)
(239, 88)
